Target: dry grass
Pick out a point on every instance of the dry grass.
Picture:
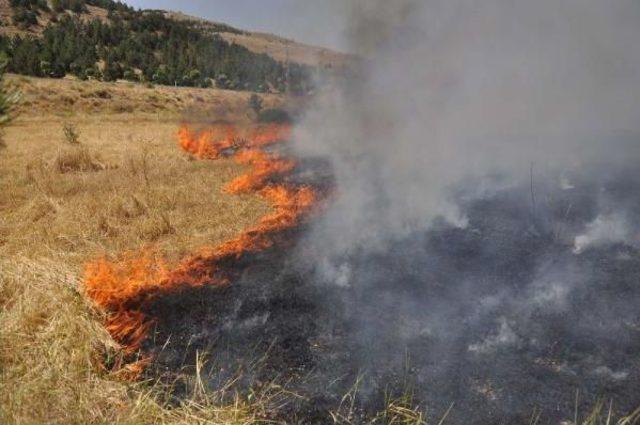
(56, 99)
(282, 50)
(124, 186)
(51, 349)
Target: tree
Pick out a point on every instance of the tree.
(165, 50)
(112, 70)
(8, 99)
(192, 78)
(24, 18)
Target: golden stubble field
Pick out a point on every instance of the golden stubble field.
(124, 186)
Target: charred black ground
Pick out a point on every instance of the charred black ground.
(502, 317)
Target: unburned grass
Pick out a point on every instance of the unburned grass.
(127, 186)
(124, 187)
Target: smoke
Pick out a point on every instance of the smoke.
(604, 229)
(481, 246)
(485, 206)
(458, 90)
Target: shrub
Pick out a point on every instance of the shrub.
(77, 159)
(8, 99)
(24, 18)
(71, 135)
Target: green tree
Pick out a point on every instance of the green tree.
(8, 99)
(112, 70)
(166, 51)
(24, 18)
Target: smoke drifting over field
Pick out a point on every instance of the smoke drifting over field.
(480, 239)
(486, 219)
(460, 90)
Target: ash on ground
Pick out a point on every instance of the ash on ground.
(535, 299)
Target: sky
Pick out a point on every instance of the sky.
(308, 21)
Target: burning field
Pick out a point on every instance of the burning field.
(528, 307)
(457, 232)
(125, 289)
(451, 234)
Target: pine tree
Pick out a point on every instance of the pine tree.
(8, 99)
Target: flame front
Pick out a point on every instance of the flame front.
(123, 289)
(213, 141)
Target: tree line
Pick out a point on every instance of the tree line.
(140, 46)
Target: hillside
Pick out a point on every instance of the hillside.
(61, 98)
(106, 40)
(279, 48)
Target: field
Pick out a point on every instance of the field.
(90, 170)
(93, 170)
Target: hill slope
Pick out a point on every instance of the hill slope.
(30, 18)
(279, 48)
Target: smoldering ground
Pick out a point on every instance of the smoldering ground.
(501, 317)
(481, 246)
(485, 208)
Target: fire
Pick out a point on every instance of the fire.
(207, 144)
(213, 141)
(123, 289)
(264, 166)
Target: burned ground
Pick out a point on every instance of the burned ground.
(502, 317)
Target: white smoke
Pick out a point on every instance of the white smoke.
(604, 229)
(458, 89)
(503, 337)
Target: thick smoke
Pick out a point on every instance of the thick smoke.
(462, 90)
(485, 210)
(481, 245)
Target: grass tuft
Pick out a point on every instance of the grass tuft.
(77, 159)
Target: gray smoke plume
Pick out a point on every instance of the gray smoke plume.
(481, 245)
(459, 90)
(485, 208)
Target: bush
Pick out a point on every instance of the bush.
(24, 18)
(71, 135)
(77, 160)
(8, 99)
(130, 75)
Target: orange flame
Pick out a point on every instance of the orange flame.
(123, 289)
(210, 143)
(264, 167)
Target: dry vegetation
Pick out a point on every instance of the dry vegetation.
(52, 346)
(120, 184)
(47, 99)
(125, 185)
(282, 49)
